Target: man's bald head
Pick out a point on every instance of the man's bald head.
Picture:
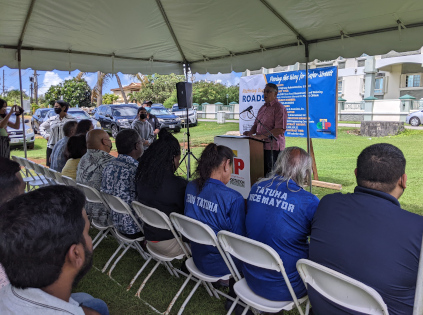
(98, 139)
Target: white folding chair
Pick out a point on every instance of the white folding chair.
(59, 178)
(38, 180)
(259, 255)
(69, 181)
(92, 195)
(158, 219)
(200, 233)
(50, 177)
(26, 177)
(119, 206)
(341, 289)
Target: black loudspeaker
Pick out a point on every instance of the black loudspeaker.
(184, 92)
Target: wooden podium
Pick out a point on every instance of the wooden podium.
(248, 164)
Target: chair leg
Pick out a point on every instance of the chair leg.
(99, 234)
(138, 273)
(233, 306)
(177, 294)
(111, 258)
(117, 260)
(173, 269)
(245, 310)
(146, 279)
(212, 288)
(189, 297)
(207, 288)
(103, 235)
(307, 307)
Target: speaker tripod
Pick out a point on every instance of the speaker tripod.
(188, 154)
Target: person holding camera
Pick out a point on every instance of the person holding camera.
(4, 123)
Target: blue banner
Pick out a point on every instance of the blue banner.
(322, 101)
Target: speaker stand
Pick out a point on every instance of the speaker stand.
(188, 153)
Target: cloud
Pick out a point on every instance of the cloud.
(91, 79)
(50, 78)
(223, 78)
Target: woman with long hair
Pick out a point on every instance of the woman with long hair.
(4, 123)
(75, 149)
(157, 186)
(209, 200)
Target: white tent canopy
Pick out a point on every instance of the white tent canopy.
(213, 36)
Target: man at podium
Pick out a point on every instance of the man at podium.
(273, 116)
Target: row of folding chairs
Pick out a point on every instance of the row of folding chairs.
(335, 286)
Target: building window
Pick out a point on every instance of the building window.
(379, 85)
(340, 87)
(361, 63)
(412, 80)
(341, 64)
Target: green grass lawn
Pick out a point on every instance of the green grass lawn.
(336, 161)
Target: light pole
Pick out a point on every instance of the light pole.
(227, 99)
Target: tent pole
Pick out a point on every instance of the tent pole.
(23, 115)
(307, 110)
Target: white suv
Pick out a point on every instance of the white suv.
(182, 114)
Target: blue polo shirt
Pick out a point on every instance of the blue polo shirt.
(280, 216)
(368, 237)
(221, 208)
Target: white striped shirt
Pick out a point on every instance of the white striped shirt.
(53, 129)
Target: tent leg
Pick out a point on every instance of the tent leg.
(23, 115)
(308, 111)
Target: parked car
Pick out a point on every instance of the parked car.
(16, 135)
(113, 118)
(414, 119)
(77, 113)
(182, 114)
(166, 119)
(38, 118)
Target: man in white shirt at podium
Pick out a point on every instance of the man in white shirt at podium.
(273, 116)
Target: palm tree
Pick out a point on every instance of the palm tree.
(97, 91)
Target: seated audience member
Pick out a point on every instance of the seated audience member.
(45, 249)
(279, 214)
(75, 150)
(209, 200)
(90, 170)
(84, 126)
(158, 187)
(119, 178)
(57, 157)
(12, 185)
(143, 127)
(367, 236)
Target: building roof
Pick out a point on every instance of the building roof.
(131, 87)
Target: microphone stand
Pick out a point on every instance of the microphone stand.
(270, 136)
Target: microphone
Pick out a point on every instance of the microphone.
(247, 109)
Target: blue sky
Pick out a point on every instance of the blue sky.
(49, 78)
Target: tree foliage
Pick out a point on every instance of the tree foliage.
(74, 91)
(109, 98)
(157, 88)
(14, 97)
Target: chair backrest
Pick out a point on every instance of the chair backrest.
(194, 230)
(253, 252)
(69, 181)
(49, 175)
(341, 289)
(91, 194)
(38, 168)
(58, 176)
(118, 205)
(152, 216)
(156, 218)
(201, 233)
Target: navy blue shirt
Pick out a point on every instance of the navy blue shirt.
(221, 208)
(281, 218)
(367, 236)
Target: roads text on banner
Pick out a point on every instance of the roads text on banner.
(291, 85)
